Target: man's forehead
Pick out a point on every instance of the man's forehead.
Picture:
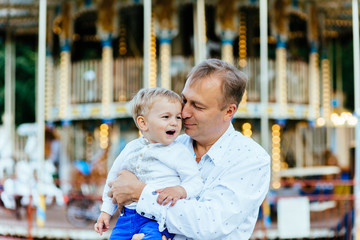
(211, 82)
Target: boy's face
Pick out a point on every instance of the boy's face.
(162, 124)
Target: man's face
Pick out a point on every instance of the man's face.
(203, 118)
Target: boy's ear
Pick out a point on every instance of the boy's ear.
(230, 111)
(141, 122)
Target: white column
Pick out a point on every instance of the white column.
(264, 74)
(40, 93)
(199, 31)
(107, 78)
(227, 50)
(9, 114)
(147, 42)
(355, 18)
(281, 79)
(326, 89)
(165, 62)
(314, 85)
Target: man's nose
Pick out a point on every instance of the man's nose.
(185, 113)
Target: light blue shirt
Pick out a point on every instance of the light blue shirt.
(236, 174)
(156, 164)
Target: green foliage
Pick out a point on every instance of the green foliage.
(24, 84)
(2, 80)
(348, 73)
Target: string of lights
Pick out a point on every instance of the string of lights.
(276, 157)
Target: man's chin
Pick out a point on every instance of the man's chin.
(189, 132)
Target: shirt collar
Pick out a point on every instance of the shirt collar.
(219, 148)
(143, 140)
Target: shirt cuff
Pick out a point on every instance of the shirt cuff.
(109, 208)
(192, 191)
(149, 208)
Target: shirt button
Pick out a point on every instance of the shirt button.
(142, 213)
(141, 155)
(148, 146)
(138, 167)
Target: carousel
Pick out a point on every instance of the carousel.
(94, 55)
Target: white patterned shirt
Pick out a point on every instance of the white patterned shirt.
(156, 164)
(236, 174)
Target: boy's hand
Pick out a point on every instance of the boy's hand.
(170, 194)
(103, 223)
(138, 236)
(141, 235)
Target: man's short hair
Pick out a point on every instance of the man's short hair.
(233, 80)
(144, 99)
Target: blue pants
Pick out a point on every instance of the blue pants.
(131, 223)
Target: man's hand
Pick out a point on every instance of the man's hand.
(170, 194)
(126, 188)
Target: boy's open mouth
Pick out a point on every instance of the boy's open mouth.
(171, 132)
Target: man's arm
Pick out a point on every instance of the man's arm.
(126, 188)
(228, 203)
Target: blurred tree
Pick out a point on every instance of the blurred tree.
(2, 78)
(25, 81)
(347, 60)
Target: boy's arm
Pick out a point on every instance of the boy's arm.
(103, 223)
(191, 182)
(108, 206)
(187, 168)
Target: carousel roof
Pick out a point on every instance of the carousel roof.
(21, 16)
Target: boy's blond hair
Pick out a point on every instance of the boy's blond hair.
(144, 99)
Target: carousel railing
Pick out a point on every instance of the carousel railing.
(328, 211)
(128, 78)
(297, 81)
(86, 85)
(19, 148)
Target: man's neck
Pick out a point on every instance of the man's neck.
(201, 148)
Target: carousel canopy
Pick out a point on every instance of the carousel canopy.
(21, 16)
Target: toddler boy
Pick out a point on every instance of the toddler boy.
(155, 159)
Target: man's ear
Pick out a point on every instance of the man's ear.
(230, 111)
(141, 122)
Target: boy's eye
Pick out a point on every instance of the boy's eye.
(165, 116)
(178, 117)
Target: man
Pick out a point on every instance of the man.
(235, 169)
